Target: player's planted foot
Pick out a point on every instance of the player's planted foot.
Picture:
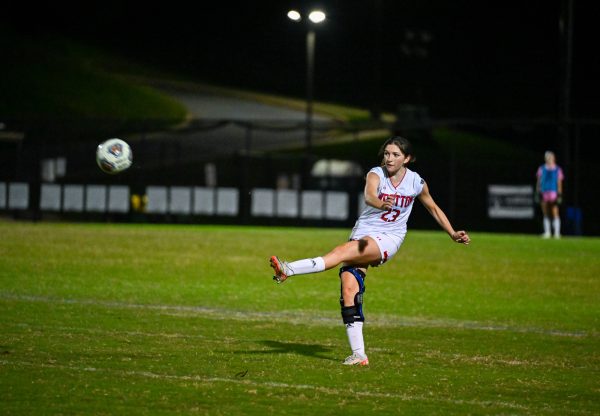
(281, 268)
(356, 359)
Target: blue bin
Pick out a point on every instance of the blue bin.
(574, 220)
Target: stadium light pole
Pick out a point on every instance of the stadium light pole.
(315, 17)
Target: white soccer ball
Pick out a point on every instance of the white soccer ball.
(114, 156)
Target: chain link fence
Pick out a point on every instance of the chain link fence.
(481, 172)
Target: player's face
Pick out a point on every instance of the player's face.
(393, 158)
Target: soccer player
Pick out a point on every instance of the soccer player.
(390, 191)
(548, 191)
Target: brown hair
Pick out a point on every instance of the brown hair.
(402, 143)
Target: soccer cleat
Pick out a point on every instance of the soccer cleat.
(356, 359)
(281, 268)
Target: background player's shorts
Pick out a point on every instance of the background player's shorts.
(389, 244)
(549, 196)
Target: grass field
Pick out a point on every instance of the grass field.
(157, 319)
(56, 79)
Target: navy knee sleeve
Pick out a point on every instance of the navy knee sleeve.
(354, 313)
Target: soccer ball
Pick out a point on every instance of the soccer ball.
(114, 156)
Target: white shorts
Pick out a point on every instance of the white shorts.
(388, 244)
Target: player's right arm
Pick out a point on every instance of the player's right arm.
(372, 196)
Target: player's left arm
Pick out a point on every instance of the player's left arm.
(437, 213)
(560, 182)
(559, 186)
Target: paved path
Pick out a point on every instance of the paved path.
(223, 125)
(205, 106)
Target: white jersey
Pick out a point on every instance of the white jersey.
(374, 221)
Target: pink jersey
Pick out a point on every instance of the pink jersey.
(374, 221)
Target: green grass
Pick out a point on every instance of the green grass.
(54, 78)
(477, 148)
(130, 79)
(157, 319)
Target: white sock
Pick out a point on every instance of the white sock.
(355, 338)
(546, 225)
(305, 266)
(556, 226)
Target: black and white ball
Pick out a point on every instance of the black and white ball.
(114, 156)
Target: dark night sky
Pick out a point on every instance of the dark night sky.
(498, 58)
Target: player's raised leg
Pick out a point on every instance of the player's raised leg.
(363, 251)
(284, 269)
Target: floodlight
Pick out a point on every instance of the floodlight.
(294, 15)
(316, 16)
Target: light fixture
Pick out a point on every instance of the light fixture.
(294, 15)
(316, 16)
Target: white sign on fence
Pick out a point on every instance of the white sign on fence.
(510, 201)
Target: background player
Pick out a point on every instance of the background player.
(389, 193)
(548, 191)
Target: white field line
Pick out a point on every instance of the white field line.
(487, 404)
(297, 317)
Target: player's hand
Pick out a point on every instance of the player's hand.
(388, 203)
(559, 199)
(461, 237)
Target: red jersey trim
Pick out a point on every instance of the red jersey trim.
(399, 183)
